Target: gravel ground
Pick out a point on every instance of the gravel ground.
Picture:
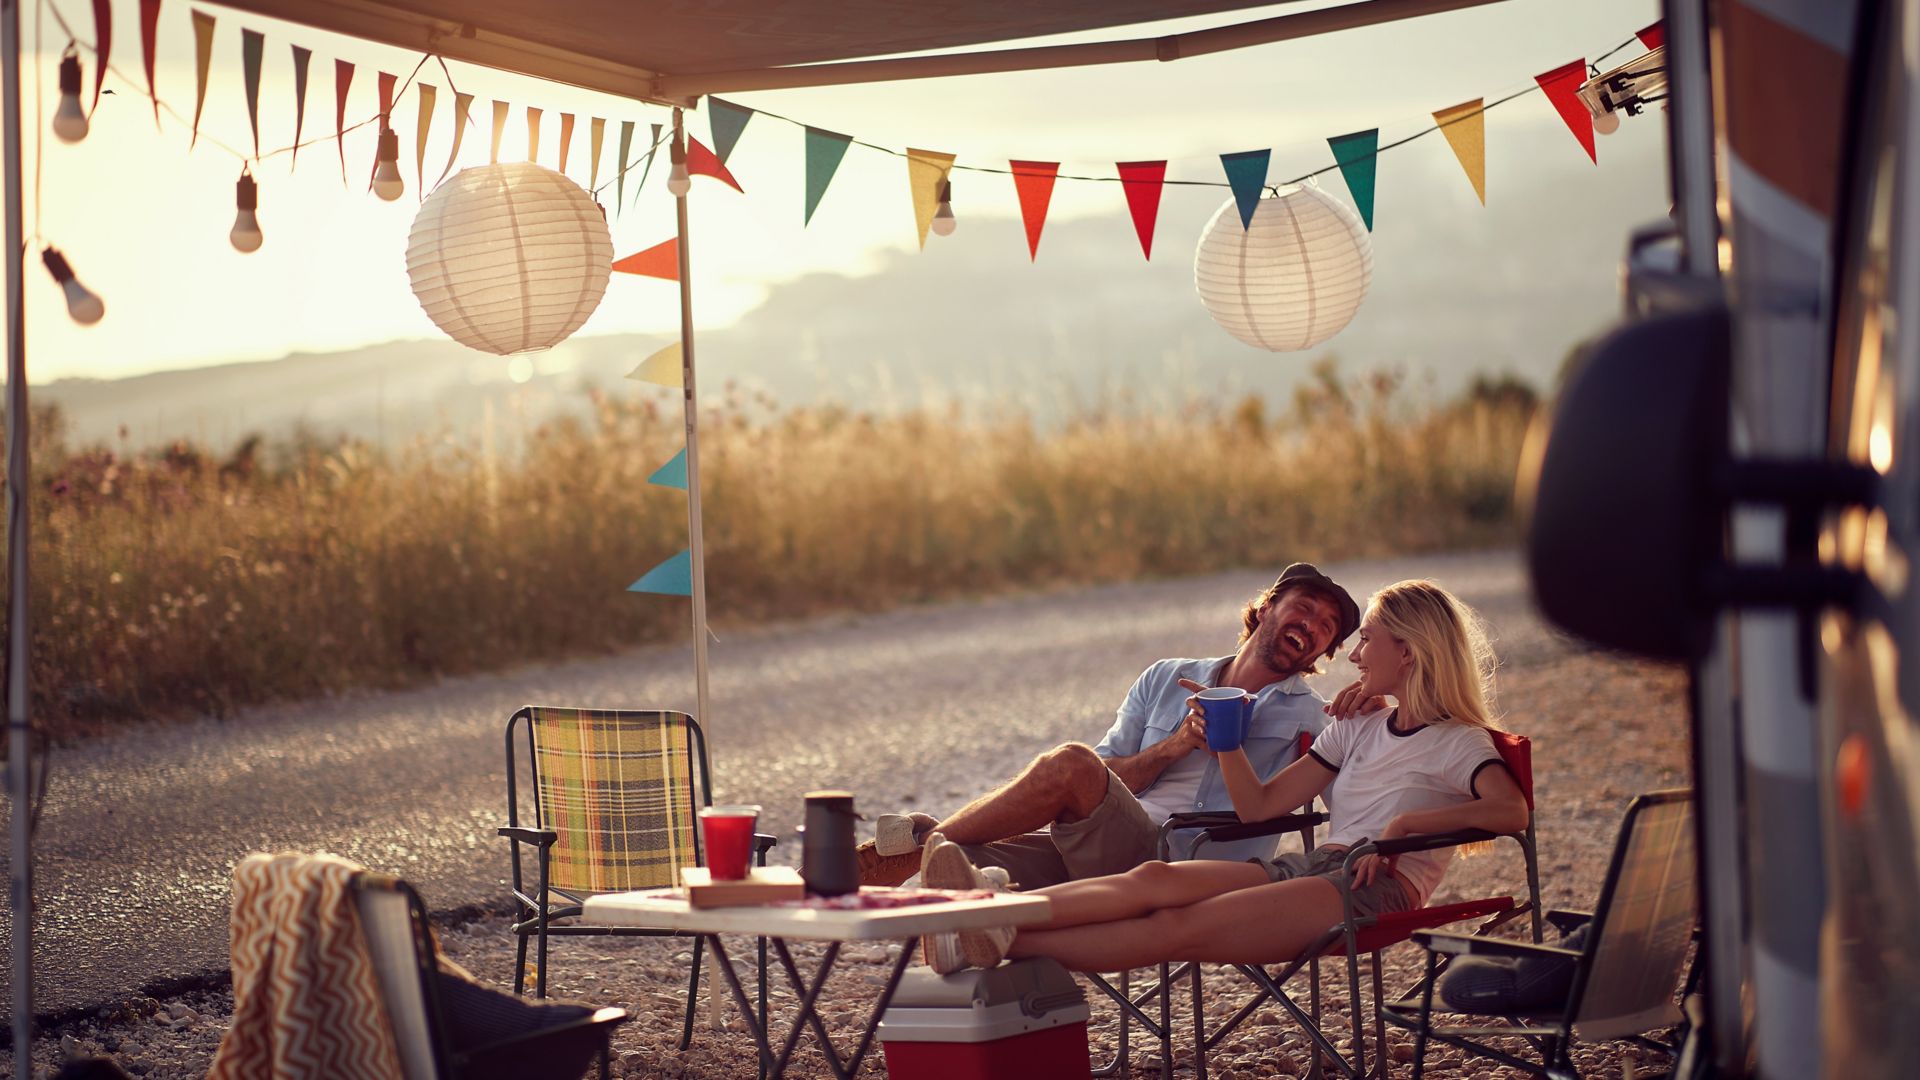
(1604, 729)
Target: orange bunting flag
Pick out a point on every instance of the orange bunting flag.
(149, 24)
(202, 58)
(1033, 182)
(704, 162)
(499, 126)
(662, 261)
(533, 134)
(927, 170)
(1465, 126)
(342, 79)
(1562, 85)
(420, 139)
(462, 107)
(1142, 181)
(386, 122)
(566, 137)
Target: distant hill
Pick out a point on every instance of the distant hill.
(1457, 289)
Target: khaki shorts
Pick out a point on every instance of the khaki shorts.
(1382, 896)
(1114, 839)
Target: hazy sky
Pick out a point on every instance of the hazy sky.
(144, 220)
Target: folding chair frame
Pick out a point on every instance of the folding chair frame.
(537, 911)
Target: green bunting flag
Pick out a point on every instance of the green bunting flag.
(824, 151)
(1358, 154)
(671, 578)
(1246, 174)
(728, 120)
(252, 42)
(673, 474)
(647, 167)
(626, 144)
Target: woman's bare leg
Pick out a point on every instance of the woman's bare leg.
(1265, 924)
(1145, 889)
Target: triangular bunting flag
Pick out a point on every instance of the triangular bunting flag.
(824, 151)
(425, 124)
(673, 474)
(702, 162)
(1653, 36)
(1359, 158)
(386, 83)
(728, 121)
(620, 181)
(671, 578)
(1246, 175)
(664, 368)
(252, 42)
(301, 58)
(149, 23)
(533, 134)
(202, 58)
(342, 79)
(662, 260)
(596, 138)
(103, 49)
(926, 169)
(1562, 85)
(1142, 181)
(462, 109)
(1033, 183)
(1465, 126)
(499, 128)
(566, 137)
(648, 166)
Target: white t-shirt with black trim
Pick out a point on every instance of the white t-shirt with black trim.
(1383, 773)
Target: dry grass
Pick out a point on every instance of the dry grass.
(173, 582)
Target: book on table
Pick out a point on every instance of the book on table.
(762, 885)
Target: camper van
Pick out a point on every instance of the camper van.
(1729, 483)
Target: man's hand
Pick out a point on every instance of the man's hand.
(1348, 703)
(1193, 729)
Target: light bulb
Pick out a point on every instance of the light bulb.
(245, 236)
(386, 175)
(678, 182)
(85, 308)
(943, 222)
(70, 120)
(1606, 123)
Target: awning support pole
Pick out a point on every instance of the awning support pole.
(692, 400)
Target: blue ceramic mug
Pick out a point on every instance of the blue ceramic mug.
(1227, 709)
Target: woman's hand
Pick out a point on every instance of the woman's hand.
(1193, 729)
(1349, 703)
(1372, 868)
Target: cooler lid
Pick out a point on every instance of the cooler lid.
(1037, 986)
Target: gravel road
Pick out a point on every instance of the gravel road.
(916, 708)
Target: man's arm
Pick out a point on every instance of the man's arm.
(1139, 771)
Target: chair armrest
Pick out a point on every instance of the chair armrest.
(1442, 941)
(762, 842)
(1431, 841)
(524, 835)
(1568, 921)
(1227, 826)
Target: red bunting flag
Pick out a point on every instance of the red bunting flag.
(704, 162)
(149, 22)
(342, 79)
(1562, 85)
(1033, 182)
(301, 58)
(386, 123)
(662, 261)
(102, 47)
(1142, 181)
(1653, 36)
(202, 59)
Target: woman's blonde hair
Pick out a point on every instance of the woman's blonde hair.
(1451, 673)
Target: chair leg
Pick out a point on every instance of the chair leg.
(520, 966)
(1354, 1005)
(1315, 1071)
(1117, 1066)
(1199, 1029)
(540, 963)
(1380, 1055)
(1166, 1023)
(1426, 1016)
(693, 995)
(763, 986)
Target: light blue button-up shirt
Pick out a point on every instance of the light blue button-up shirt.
(1157, 704)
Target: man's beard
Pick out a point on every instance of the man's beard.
(1270, 636)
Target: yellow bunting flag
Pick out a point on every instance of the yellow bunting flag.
(420, 139)
(202, 57)
(926, 171)
(533, 134)
(1465, 126)
(566, 137)
(661, 369)
(499, 126)
(462, 105)
(597, 131)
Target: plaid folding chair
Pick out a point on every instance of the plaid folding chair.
(1623, 976)
(615, 794)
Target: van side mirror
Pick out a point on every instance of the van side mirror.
(1627, 506)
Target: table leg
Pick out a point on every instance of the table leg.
(725, 964)
(809, 1002)
(880, 1006)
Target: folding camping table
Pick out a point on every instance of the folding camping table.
(668, 909)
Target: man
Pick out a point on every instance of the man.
(1103, 806)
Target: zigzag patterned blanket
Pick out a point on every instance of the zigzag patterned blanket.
(306, 1000)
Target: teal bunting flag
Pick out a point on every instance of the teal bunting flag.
(673, 474)
(647, 167)
(671, 578)
(824, 151)
(626, 144)
(1358, 155)
(1246, 174)
(728, 120)
(251, 44)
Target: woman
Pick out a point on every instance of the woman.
(1426, 765)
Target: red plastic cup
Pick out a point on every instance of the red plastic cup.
(727, 832)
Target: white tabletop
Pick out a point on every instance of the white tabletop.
(663, 909)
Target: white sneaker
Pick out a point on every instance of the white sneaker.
(893, 835)
(945, 866)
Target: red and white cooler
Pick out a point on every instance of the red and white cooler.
(1027, 1018)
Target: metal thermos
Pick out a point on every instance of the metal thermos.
(827, 862)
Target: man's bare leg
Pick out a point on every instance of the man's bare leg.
(1064, 784)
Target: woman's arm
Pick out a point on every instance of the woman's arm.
(1497, 807)
(1290, 789)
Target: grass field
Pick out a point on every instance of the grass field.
(175, 582)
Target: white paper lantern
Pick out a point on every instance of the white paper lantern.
(1290, 280)
(510, 257)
